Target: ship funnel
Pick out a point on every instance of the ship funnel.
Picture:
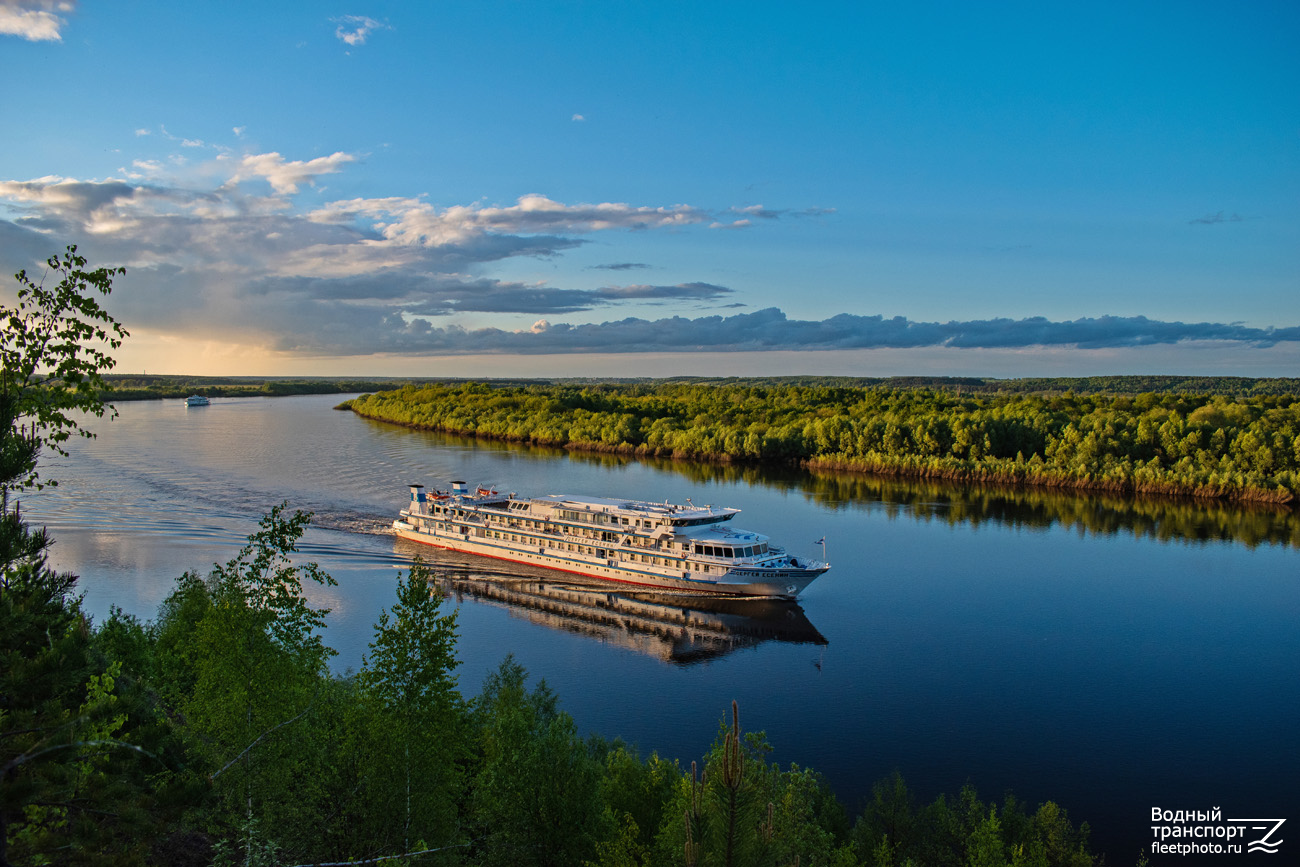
(417, 493)
(460, 489)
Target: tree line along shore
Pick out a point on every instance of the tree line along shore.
(147, 386)
(1236, 440)
(141, 386)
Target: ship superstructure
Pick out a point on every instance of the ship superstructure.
(660, 545)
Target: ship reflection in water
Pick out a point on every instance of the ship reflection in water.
(681, 628)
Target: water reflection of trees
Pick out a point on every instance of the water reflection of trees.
(1158, 517)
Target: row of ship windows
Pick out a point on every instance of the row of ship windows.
(585, 549)
(724, 551)
(541, 525)
(703, 550)
(601, 518)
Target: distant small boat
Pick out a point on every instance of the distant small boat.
(197, 400)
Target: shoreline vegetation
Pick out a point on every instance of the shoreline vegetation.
(137, 386)
(1230, 439)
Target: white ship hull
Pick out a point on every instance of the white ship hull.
(652, 545)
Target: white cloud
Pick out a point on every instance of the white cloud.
(212, 254)
(414, 221)
(286, 177)
(34, 20)
(355, 29)
(143, 169)
(578, 118)
(238, 131)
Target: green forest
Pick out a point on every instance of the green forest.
(1243, 447)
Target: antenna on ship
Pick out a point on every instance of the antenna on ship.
(822, 542)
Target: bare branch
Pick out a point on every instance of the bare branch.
(387, 857)
(259, 738)
(27, 757)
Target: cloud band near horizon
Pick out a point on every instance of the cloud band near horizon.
(772, 330)
(243, 262)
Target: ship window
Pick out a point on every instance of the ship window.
(729, 552)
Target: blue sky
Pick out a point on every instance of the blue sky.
(665, 188)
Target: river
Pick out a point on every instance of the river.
(1112, 655)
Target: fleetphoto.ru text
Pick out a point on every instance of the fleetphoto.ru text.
(1206, 832)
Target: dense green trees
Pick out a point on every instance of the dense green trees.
(1244, 448)
(410, 721)
(536, 794)
(54, 350)
(75, 746)
(967, 832)
(256, 660)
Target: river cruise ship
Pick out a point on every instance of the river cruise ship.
(658, 545)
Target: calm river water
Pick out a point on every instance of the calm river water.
(1113, 656)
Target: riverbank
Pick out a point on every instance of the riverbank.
(1210, 447)
(123, 387)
